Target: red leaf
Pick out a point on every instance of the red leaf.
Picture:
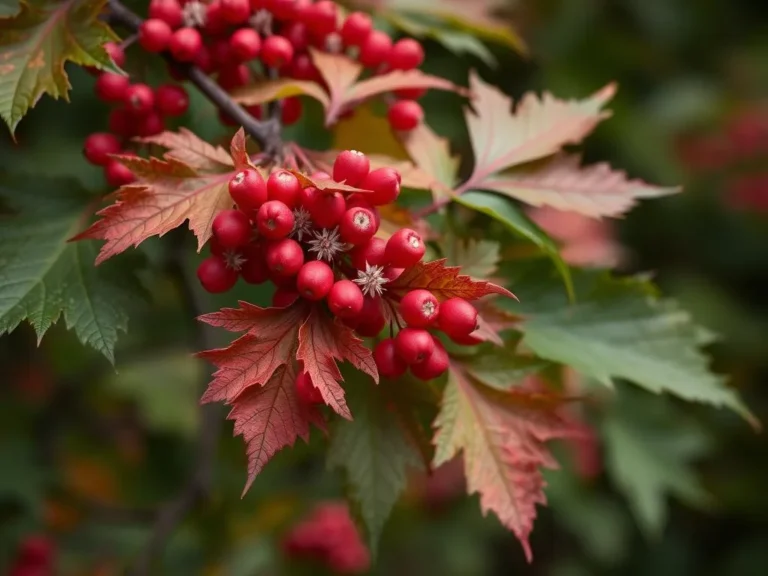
(187, 148)
(326, 184)
(491, 320)
(239, 152)
(444, 282)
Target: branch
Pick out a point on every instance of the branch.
(266, 133)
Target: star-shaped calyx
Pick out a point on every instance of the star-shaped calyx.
(371, 280)
(302, 223)
(194, 14)
(327, 244)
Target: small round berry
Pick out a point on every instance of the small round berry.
(404, 248)
(419, 308)
(351, 167)
(356, 29)
(387, 360)
(457, 317)
(235, 11)
(99, 146)
(116, 53)
(384, 184)
(307, 196)
(469, 340)
(214, 21)
(345, 299)
(391, 273)
(320, 18)
(117, 174)
(274, 220)
(154, 35)
(284, 187)
(139, 99)
(315, 280)
(215, 275)
(410, 93)
(372, 320)
(221, 53)
(232, 228)
(306, 390)
(406, 54)
(286, 282)
(233, 76)
(254, 269)
(185, 44)
(248, 190)
(121, 123)
(434, 366)
(375, 50)
(302, 68)
(357, 226)
(291, 111)
(204, 60)
(276, 52)
(284, 297)
(327, 209)
(297, 34)
(319, 175)
(405, 115)
(111, 87)
(245, 44)
(414, 345)
(370, 253)
(171, 100)
(360, 201)
(149, 124)
(284, 257)
(169, 11)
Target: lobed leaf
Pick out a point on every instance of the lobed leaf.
(271, 90)
(188, 149)
(444, 282)
(432, 155)
(477, 258)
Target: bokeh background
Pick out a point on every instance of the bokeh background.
(86, 451)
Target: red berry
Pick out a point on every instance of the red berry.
(284, 257)
(414, 345)
(410, 93)
(117, 174)
(351, 167)
(116, 52)
(284, 297)
(306, 390)
(315, 280)
(221, 53)
(149, 124)
(433, 366)
(111, 87)
(139, 99)
(360, 201)
(468, 340)
(319, 175)
(321, 17)
(302, 68)
(248, 190)
(274, 220)
(185, 44)
(99, 146)
(215, 275)
(235, 11)
(291, 111)
(121, 123)
(169, 11)
(372, 319)
(254, 269)
(387, 360)
(281, 9)
(232, 228)
(391, 273)
(171, 100)
(405, 115)
(457, 317)
(214, 20)
(357, 226)
(327, 209)
(204, 60)
(375, 50)
(307, 196)
(384, 184)
(297, 34)
(276, 51)
(233, 76)
(345, 299)
(406, 54)
(154, 35)
(419, 308)
(356, 29)
(284, 187)
(404, 248)
(370, 253)
(245, 44)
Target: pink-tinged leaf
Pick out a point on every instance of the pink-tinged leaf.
(187, 148)
(239, 151)
(270, 342)
(563, 184)
(444, 282)
(432, 154)
(503, 436)
(339, 72)
(277, 90)
(326, 184)
(322, 342)
(491, 320)
(539, 126)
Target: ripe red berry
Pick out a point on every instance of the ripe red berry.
(254, 268)
(149, 124)
(169, 11)
(204, 60)
(351, 167)
(232, 229)
(414, 345)
(274, 220)
(307, 196)
(419, 308)
(384, 184)
(433, 366)
(233, 76)
(214, 21)
(356, 29)
(406, 54)
(345, 299)
(284, 257)
(291, 111)
(357, 226)
(221, 52)
(284, 297)
(215, 275)
(139, 98)
(302, 68)
(281, 9)
(327, 209)
(116, 52)
(306, 390)
(284, 187)
(469, 340)
(245, 44)
(276, 51)
(111, 87)
(248, 190)
(315, 280)
(372, 319)
(320, 175)
(121, 123)
(171, 100)
(154, 35)
(185, 44)
(387, 360)
(99, 146)
(410, 93)
(405, 115)
(360, 201)
(391, 273)
(375, 50)
(117, 174)
(404, 248)
(297, 34)
(372, 252)
(235, 11)
(321, 17)
(457, 317)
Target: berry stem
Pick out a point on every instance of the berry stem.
(303, 158)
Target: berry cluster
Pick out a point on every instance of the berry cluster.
(329, 536)
(35, 557)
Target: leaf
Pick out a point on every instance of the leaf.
(36, 44)
(476, 258)
(491, 320)
(43, 277)
(432, 155)
(326, 184)
(503, 438)
(563, 184)
(188, 149)
(444, 282)
(503, 368)
(271, 90)
(9, 8)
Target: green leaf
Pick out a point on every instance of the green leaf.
(477, 258)
(36, 44)
(9, 8)
(503, 368)
(43, 276)
(505, 211)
